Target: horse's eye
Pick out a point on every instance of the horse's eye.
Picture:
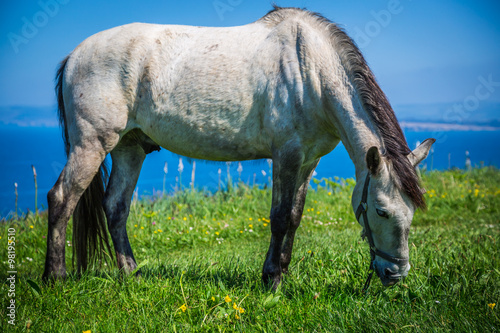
(382, 213)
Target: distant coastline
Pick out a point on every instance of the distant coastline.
(430, 126)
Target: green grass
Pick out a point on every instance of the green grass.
(203, 255)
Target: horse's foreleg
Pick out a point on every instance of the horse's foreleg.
(296, 216)
(286, 169)
(127, 163)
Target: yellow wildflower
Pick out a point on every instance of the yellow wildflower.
(184, 218)
(142, 228)
(135, 225)
(250, 225)
(250, 219)
(241, 231)
(159, 230)
(207, 232)
(241, 310)
(31, 226)
(236, 316)
(492, 305)
(329, 193)
(135, 235)
(183, 307)
(155, 232)
(213, 299)
(217, 233)
(227, 299)
(88, 331)
(235, 306)
(265, 224)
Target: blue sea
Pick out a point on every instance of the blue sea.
(42, 147)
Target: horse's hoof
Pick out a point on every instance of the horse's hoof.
(53, 276)
(272, 281)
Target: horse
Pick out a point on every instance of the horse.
(287, 87)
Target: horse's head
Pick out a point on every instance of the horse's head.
(385, 212)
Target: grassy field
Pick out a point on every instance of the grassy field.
(201, 258)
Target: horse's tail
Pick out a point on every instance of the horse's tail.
(90, 237)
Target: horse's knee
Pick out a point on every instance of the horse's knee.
(280, 221)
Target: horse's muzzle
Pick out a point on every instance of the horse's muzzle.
(392, 274)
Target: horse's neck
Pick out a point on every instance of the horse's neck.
(357, 131)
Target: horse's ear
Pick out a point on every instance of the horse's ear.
(421, 152)
(373, 160)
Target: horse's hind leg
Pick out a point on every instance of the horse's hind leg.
(127, 158)
(83, 164)
(296, 216)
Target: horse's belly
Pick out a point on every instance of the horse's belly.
(213, 139)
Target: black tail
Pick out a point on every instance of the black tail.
(90, 236)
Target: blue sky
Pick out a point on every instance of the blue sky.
(423, 52)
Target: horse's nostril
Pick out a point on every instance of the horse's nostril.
(390, 274)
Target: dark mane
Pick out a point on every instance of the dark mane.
(373, 98)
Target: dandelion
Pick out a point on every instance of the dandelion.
(217, 233)
(88, 331)
(135, 235)
(492, 305)
(265, 224)
(142, 228)
(31, 226)
(135, 225)
(309, 251)
(184, 218)
(329, 193)
(207, 232)
(159, 230)
(241, 231)
(250, 225)
(213, 299)
(250, 219)
(183, 307)
(227, 299)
